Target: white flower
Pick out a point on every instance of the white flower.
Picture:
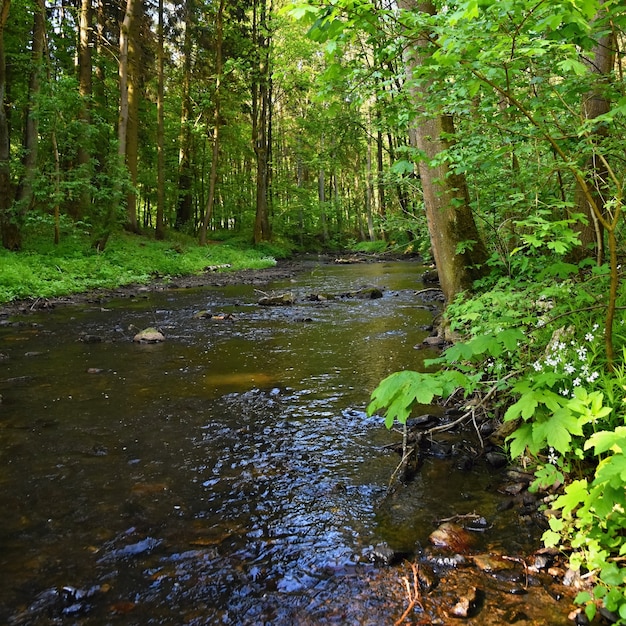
(569, 368)
(589, 337)
(592, 377)
(576, 382)
(552, 457)
(537, 366)
(564, 392)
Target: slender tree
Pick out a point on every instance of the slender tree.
(215, 152)
(261, 116)
(31, 124)
(160, 225)
(184, 207)
(11, 236)
(85, 69)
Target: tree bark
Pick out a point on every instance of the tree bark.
(595, 104)
(24, 194)
(11, 236)
(208, 211)
(261, 116)
(132, 131)
(160, 225)
(184, 206)
(458, 249)
(129, 99)
(78, 209)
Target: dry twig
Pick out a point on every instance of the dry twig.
(413, 594)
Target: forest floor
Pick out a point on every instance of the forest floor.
(284, 269)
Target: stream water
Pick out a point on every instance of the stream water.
(230, 474)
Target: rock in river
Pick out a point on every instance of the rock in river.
(149, 335)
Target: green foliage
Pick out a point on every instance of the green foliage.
(400, 392)
(43, 270)
(370, 247)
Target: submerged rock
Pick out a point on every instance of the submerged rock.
(365, 293)
(283, 299)
(451, 537)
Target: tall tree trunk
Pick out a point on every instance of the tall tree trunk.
(458, 249)
(79, 208)
(127, 126)
(31, 127)
(261, 115)
(99, 70)
(160, 225)
(369, 192)
(122, 127)
(132, 132)
(11, 236)
(595, 104)
(208, 211)
(184, 206)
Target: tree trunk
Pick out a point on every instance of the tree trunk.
(78, 209)
(261, 115)
(134, 96)
(208, 211)
(11, 236)
(184, 206)
(127, 127)
(160, 226)
(24, 193)
(595, 104)
(458, 250)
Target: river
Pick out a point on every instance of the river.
(230, 474)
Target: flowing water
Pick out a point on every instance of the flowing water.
(229, 475)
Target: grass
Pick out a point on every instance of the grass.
(43, 270)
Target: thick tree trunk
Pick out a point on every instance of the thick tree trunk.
(595, 104)
(11, 236)
(457, 246)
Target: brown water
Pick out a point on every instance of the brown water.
(229, 475)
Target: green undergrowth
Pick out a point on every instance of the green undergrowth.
(532, 353)
(43, 270)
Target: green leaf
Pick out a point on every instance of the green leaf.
(575, 493)
(573, 66)
(557, 430)
(603, 441)
(509, 338)
(611, 470)
(400, 391)
(520, 439)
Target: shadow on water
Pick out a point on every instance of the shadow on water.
(228, 475)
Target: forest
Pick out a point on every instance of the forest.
(487, 136)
